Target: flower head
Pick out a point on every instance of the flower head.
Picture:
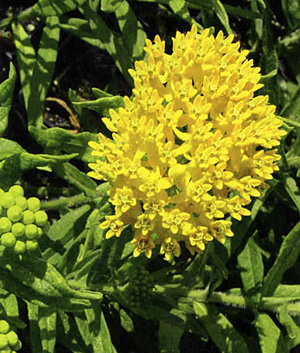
(190, 148)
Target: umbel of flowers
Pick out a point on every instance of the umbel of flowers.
(22, 222)
(190, 148)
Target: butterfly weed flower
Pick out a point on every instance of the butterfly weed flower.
(192, 147)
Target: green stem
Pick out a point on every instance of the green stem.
(66, 202)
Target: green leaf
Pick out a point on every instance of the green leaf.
(288, 254)
(288, 291)
(8, 148)
(80, 28)
(222, 15)
(15, 165)
(6, 93)
(100, 336)
(83, 327)
(270, 337)
(42, 70)
(40, 293)
(42, 328)
(56, 140)
(102, 105)
(75, 177)
(91, 226)
(44, 278)
(293, 191)
(54, 7)
(99, 93)
(9, 309)
(251, 270)
(240, 229)
(26, 58)
(179, 7)
(68, 335)
(47, 325)
(293, 331)
(220, 329)
(35, 339)
(289, 50)
(111, 254)
(292, 110)
(64, 230)
(110, 5)
(126, 321)
(169, 337)
(291, 9)
(111, 41)
(132, 31)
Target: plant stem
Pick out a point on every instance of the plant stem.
(66, 202)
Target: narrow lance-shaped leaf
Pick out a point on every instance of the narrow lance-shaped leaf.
(55, 7)
(26, 58)
(102, 105)
(288, 254)
(74, 176)
(111, 41)
(293, 331)
(220, 329)
(270, 337)
(42, 71)
(35, 339)
(222, 15)
(132, 31)
(101, 340)
(15, 165)
(251, 270)
(47, 327)
(56, 140)
(293, 191)
(169, 337)
(6, 93)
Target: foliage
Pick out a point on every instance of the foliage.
(80, 292)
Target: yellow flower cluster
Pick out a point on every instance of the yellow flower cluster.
(190, 148)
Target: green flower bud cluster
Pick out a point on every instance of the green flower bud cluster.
(9, 342)
(22, 222)
(140, 288)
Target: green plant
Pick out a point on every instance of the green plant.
(76, 291)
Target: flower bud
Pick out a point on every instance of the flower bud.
(34, 204)
(8, 240)
(12, 338)
(31, 231)
(19, 247)
(18, 229)
(31, 245)
(41, 218)
(3, 341)
(7, 200)
(39, 232)
(28, 217)
(16, 190)
(21, 202)
(17, 346)
(5, 225)
(4, 326)
(15, 213)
